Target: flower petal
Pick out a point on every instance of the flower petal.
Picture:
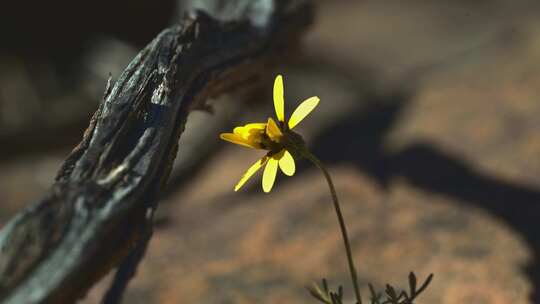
(273, 131)
(269, 175)
(237, 139)
(239, 131)
(254, 168)
(303, 110)
(286, 163)
(279, 102)
(256, 125)
(245, 130)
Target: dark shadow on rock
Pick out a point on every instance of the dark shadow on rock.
(432, 169)
(360, 137)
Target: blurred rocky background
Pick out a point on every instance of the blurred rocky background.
(428, 122)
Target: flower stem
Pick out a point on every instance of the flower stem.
(341, 221)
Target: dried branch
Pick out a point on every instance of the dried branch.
(95, 213)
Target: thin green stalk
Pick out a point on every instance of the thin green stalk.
(341, 221)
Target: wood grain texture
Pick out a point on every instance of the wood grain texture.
(107, 189)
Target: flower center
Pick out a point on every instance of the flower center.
(273, 146)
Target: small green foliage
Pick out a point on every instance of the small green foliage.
(390, 295)
(326, 295)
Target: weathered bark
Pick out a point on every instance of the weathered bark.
(105, 193)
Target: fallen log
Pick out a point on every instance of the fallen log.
(98, 213)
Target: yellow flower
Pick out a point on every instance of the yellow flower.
(277, 138)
